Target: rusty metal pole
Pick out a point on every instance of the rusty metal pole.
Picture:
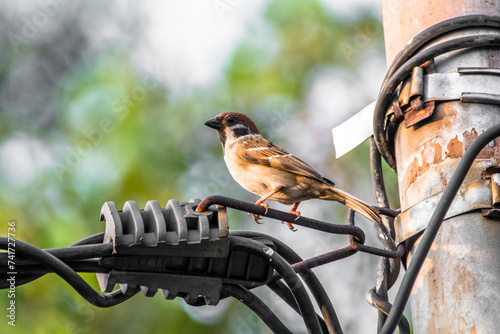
(457, 288)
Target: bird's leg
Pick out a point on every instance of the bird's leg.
(265, 205)
(293, 211)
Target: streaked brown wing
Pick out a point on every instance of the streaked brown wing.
(260, 151)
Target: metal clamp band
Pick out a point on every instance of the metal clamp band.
(468, 81)
(472, 196)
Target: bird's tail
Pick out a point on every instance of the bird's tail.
(366, 210)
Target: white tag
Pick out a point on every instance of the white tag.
(350, 134)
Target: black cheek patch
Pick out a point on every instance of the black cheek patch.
(240, 131)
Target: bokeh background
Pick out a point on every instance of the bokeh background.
(106, 100)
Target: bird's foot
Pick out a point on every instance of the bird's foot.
(297, 213)
(293, 212)
(256, 217)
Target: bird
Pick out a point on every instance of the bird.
(269, 171)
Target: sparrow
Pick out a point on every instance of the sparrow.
(269, 171)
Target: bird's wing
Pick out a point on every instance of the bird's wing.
(260, 151)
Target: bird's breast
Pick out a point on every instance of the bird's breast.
(249, 176)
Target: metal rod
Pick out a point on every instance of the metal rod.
(323, 259)
(399, 252)
(283, 216)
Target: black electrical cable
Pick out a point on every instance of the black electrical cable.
(65, 272)
(290, 277)
(311, 280)
(92, 239)
(381, 290)
(87, 266)
(388, 269)
(434, 224)
(27, 274)
(79, 252)
(257, 306)
(380, 192)
(384, 306)
(282, 291)
(402, 72)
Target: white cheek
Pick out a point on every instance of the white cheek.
(230, 138)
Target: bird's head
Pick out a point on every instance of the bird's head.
(231, 126)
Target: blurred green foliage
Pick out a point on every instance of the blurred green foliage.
(107, 131)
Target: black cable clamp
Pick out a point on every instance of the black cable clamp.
(182, 252)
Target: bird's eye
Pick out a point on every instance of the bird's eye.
(231, 120)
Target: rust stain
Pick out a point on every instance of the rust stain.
(431, 154)
(415, 170)
(448, 115)
(438, 154)
(455, 148)
(469, 137)
(490, 151)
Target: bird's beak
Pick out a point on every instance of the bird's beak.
(214, 124)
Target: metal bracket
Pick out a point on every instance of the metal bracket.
(416, 100)
(493, 173)
(465, 83)
(410, 103)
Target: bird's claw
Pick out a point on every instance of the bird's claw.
(297, 213)
(266, 206)
(256, 217)
(291, 227)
